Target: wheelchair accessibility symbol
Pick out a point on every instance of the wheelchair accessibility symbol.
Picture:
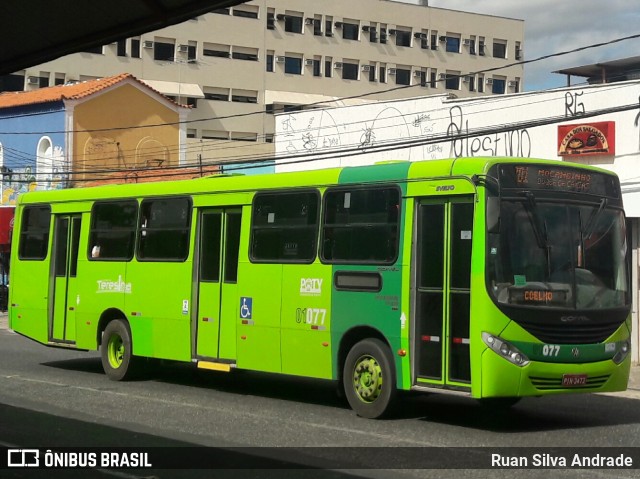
(246, 306)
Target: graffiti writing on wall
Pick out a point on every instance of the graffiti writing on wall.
(515, 142)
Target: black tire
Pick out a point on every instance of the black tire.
(369, 378)
(116, 351)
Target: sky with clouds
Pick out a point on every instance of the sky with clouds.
(559, 25)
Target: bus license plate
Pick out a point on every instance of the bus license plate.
(573, 380)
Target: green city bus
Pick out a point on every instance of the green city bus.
(494, 278)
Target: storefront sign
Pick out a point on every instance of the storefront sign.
(587, 139)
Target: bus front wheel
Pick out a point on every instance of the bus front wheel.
(116, 351)
(369, 378)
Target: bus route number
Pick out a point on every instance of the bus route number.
(550, 350)
(311, 316)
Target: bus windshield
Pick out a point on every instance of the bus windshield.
(550, 254)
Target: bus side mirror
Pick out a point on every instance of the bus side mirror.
(493, 214)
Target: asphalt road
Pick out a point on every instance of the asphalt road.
(53, 398)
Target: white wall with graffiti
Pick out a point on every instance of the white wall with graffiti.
(435, 127)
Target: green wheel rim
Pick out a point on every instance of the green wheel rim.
(367, 379)
(115, 351)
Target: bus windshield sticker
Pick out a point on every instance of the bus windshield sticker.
(465, 235)
(519, 280)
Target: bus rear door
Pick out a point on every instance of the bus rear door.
(66, 239)
(217, 271)
(442, 292)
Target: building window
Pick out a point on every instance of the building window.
(360, 225)
(135, 48)
(472, 82)
(191, 52)
(293, 65)
(244, 96)
(221, 11)
(403, 76)
(480, 84)
(433, 79)
(317, 27)
(316, 68)
(481, 48)
(350, 71)
(423, 78)
(216, 93)
(96, 50)
(498, 86)
(245, 53)
(293, 23)
(453, 44)
(248, 11)
(472, 46)
(163, 51)
(271, 21)
(113, 230)
(216, 50)
(284, 227)
(403, 38)
(164, 228)
(383, 73)
(518, 51)
(191, 133)
(373, 34)
(121, 48)
(350, 31)
(452, 81)
(270, 59)
(372, 72)
(383, 35)
(328, 67)
(500, 49)
(43, 80)
(328, 26)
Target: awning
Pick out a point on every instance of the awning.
(295, 98)
(170, 88)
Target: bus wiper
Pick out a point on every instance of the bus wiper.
(591, 222)
(541, 235)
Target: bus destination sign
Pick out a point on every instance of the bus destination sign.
(544, 177)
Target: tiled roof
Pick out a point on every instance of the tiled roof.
(70, 91)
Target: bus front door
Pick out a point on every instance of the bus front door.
(66, 238)
(442, 293)
(217, 273)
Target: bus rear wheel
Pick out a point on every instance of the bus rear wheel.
(369, 378)
(116, 351)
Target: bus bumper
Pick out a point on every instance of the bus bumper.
(500, 378)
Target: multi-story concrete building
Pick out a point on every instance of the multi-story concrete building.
(235, 66)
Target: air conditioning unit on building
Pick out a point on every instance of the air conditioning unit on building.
(442, 38)
(366, 68)
(392, 71)
(366, 28)
(337, 65)
(419, 35)
(147, 44)
(392, 31)
(308, 21)
(183, 48)
(466, 79)
(466, 41)
(512, 83)
(338, 24)
(281, 16)
(33, 80)
(308, 62)
(418, 73)
(281, 59)
(489, 81)
(442, 76)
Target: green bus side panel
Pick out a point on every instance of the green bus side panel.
(158, 307)
(208, 320)
(99, 288)
(306, 320)
(228, 321)
(259, 302)
(381, 310)
(29, 298)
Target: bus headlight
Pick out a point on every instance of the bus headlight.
(505, 349)
(622, 351)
